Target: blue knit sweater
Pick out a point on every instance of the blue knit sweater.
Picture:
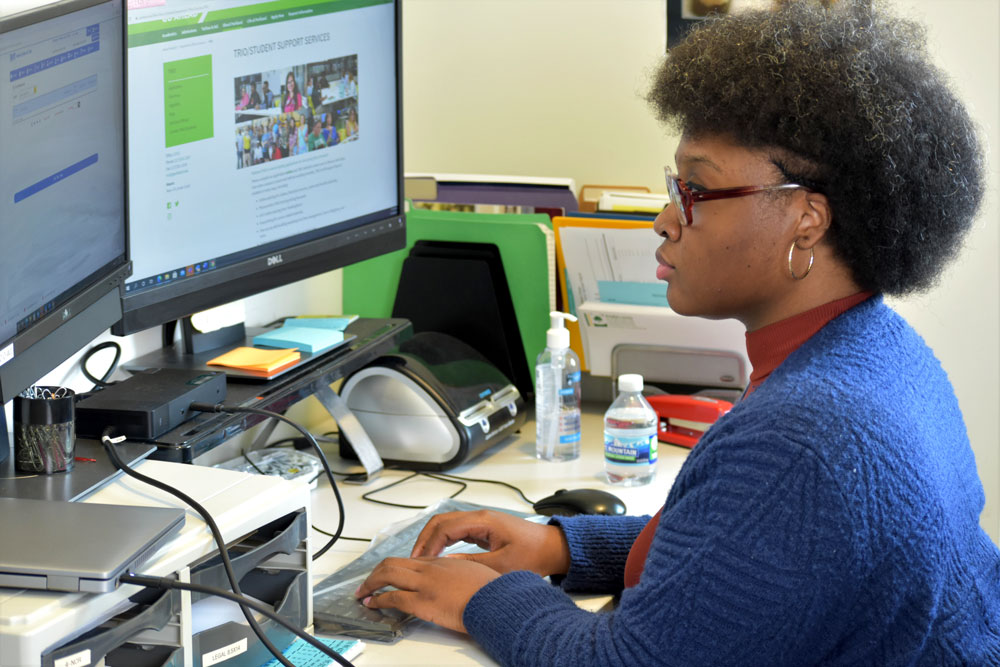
(830, 518)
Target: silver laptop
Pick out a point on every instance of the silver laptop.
(78, 547)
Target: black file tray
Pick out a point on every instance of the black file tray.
(155, 610)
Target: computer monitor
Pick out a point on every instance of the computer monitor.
(265, 146)
(63, 253)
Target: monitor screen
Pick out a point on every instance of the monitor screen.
(62, 194)
(264, 147)
(62, 172)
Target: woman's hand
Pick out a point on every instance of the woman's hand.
(511, 543)
(434, 589)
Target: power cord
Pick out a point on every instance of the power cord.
(444, 477)
(166, 582)
(230, 409)
(101, 382)
(109, 443)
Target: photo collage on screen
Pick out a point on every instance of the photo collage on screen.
(296, 110)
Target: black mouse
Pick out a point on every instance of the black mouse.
(580, 501)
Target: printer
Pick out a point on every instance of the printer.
(701, 355)
(432, 404)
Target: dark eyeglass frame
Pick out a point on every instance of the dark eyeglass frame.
(683, 198)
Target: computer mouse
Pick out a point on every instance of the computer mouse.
(580, 501)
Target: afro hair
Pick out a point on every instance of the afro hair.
(845, 95)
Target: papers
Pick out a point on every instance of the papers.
(611, 265)
(633, 202)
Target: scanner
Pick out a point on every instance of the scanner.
(432, 404)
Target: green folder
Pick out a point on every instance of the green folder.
(526, 248)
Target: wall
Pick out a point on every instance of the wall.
(554, 88)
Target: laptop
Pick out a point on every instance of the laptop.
(78, 547)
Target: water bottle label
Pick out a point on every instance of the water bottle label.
(569, 438)
(573, 377)
(569, 426)
(630, 450)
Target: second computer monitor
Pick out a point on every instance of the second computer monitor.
(264, 147)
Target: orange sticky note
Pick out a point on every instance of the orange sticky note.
(256, 359)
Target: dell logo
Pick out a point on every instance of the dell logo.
(274, 260)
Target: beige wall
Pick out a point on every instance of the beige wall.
(553, 88)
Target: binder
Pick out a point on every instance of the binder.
(526, 247)
(560, 223)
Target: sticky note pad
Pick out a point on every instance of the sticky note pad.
(307, 339)
(339, 323)
(254, 359)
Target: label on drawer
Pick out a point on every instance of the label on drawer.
(80, 659)
(224, 653)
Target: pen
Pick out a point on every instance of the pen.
(84, 458)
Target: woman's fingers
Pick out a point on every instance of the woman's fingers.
(434, 589)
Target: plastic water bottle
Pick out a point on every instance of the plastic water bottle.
(557, 395)
(630, 435)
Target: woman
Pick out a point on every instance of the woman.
(832, 516)
(330, 134)
(351, 127)
(293, 98)
(244, 100)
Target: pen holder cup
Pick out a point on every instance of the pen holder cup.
(44, 430)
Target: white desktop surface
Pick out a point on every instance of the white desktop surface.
(512, 461)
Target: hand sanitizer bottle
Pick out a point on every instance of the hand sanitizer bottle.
(630, 435)
(557, 395)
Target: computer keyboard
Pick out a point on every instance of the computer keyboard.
(303, 654)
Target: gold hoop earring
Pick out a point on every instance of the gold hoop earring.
(791, 271)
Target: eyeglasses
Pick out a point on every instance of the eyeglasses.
(683, 198)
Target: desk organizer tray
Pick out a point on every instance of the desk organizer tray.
(272, 566)
(144, 635)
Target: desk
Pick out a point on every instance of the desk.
(514, 462)
(32, 621)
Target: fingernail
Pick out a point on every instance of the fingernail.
(358, 590)
(366, 601)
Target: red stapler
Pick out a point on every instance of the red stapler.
(684, 418)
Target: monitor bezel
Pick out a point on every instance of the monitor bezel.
(167, 303)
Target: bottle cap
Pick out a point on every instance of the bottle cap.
(630, 382)
(557, 338)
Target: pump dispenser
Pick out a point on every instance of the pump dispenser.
(557, 395)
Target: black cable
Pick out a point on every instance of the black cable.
(103, 380)
(219, 407)
(444, 477)
(343, 537)
(216, 533)
(165, 582)
(367, 496)
(488, 481)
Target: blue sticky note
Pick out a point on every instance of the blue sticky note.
(337, 323)
(636, 294)
(306, 339)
